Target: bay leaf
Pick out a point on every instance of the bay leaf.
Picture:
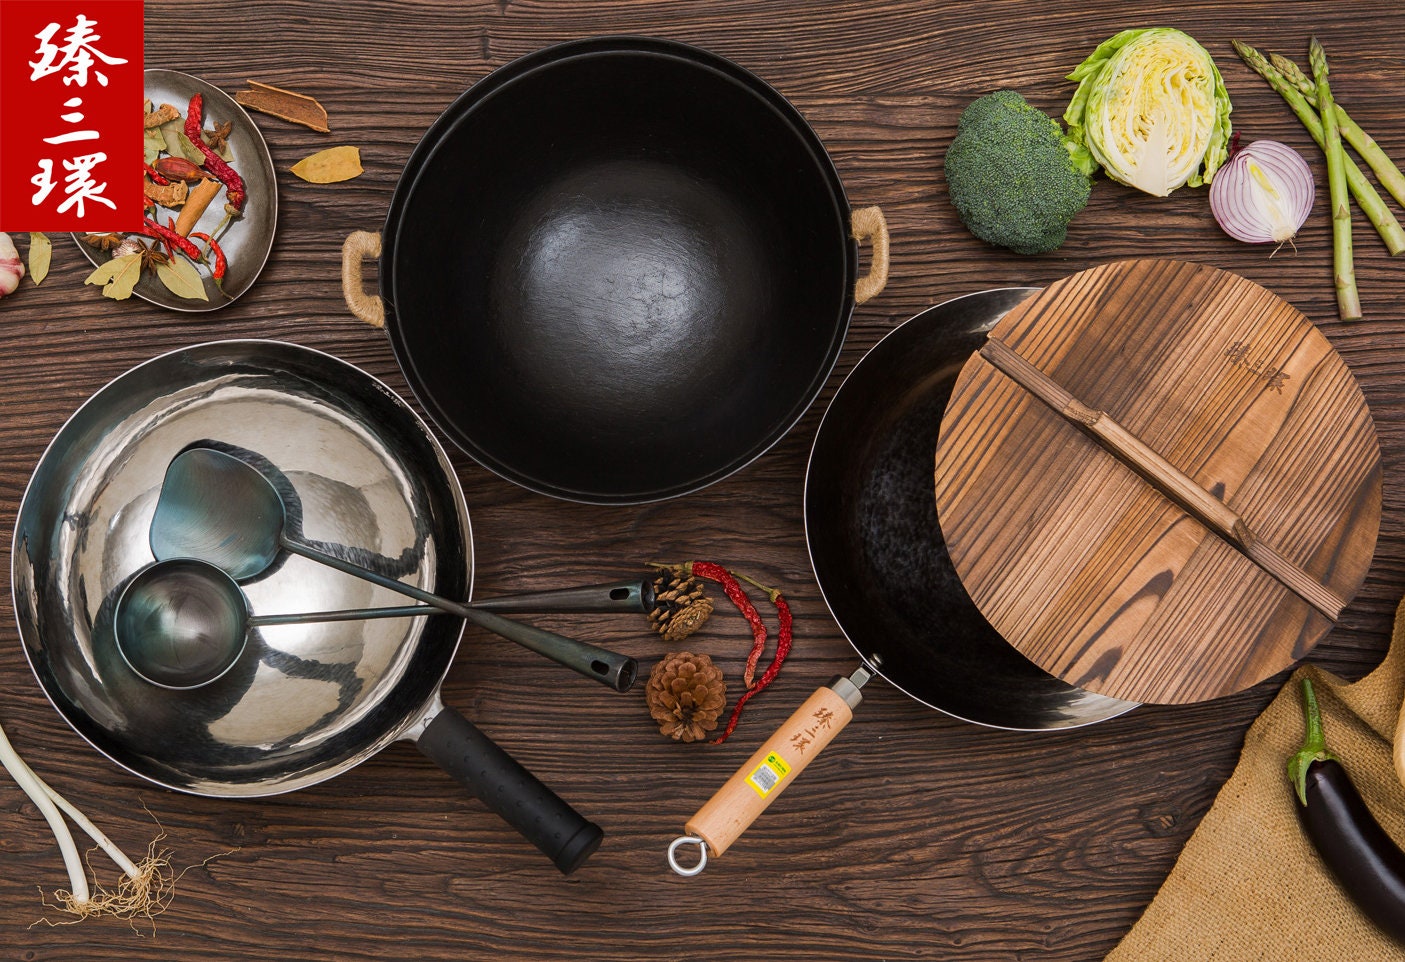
(171, 133)
(330, 166)
(41, 249)
(177, 143)
(182, 279)
(117, 277)
(153, 145)
(189, 151)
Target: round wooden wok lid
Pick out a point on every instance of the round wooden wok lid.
(1158, 481)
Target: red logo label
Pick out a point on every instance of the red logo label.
(70, 115)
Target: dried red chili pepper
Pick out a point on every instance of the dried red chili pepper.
(156, 177)
(733, 589)
(170, 250)
(784, 639)
(221, 264)
(151, 228)
(214, 163)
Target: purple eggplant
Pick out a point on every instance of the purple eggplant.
(1365, 861)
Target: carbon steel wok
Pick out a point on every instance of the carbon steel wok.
(303, 702)
(872, 529)
(617, 270)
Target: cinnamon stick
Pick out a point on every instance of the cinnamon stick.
(284, 104)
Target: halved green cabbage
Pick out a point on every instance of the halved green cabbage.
(1152, 110)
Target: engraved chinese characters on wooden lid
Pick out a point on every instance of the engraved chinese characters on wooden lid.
(1159, 481)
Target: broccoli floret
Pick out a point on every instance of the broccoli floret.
(1010, 174)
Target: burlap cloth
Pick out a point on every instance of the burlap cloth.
(1248, 887)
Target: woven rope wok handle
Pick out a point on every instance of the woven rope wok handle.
(358, 247)
(768, 772)
(869, 224)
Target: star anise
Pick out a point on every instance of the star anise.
(220, 136)
(103, 242)
(152, 257)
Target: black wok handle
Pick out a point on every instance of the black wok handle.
(635, 596)
(457, 745)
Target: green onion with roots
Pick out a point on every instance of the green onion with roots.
(145, 886)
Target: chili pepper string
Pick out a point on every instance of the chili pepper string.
(784, 639)
(214, 163)
(170, 250)
(731, 585)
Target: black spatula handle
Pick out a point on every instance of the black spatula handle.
(458, 746)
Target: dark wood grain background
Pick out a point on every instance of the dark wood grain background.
(917, 836)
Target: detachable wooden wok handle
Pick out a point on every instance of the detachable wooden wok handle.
(768, 772)
(1168, 479)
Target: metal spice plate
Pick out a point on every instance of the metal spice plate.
(249, 239)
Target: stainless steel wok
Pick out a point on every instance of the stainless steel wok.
(304, 702)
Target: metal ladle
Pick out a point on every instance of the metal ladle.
(183, 623)
(219, 509)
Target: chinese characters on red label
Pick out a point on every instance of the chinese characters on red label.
(70, 115)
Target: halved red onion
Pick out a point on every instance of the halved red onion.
(1263, 194)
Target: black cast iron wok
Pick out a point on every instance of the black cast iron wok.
(881, 563)
(617, 270)
(304, 702)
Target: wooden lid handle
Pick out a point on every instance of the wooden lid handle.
(1165, 476)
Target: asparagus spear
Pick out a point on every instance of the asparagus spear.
(1390, 176)
(1348, 303)
(1367, 198)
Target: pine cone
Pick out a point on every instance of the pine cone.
(686, 694)
(680, 606)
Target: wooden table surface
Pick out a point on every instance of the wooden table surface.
(916, 835)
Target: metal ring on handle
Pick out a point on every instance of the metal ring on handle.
(673, 857)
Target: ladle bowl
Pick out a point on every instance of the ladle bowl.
(183, 623)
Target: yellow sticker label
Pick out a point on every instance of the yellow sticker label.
(768, 774)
